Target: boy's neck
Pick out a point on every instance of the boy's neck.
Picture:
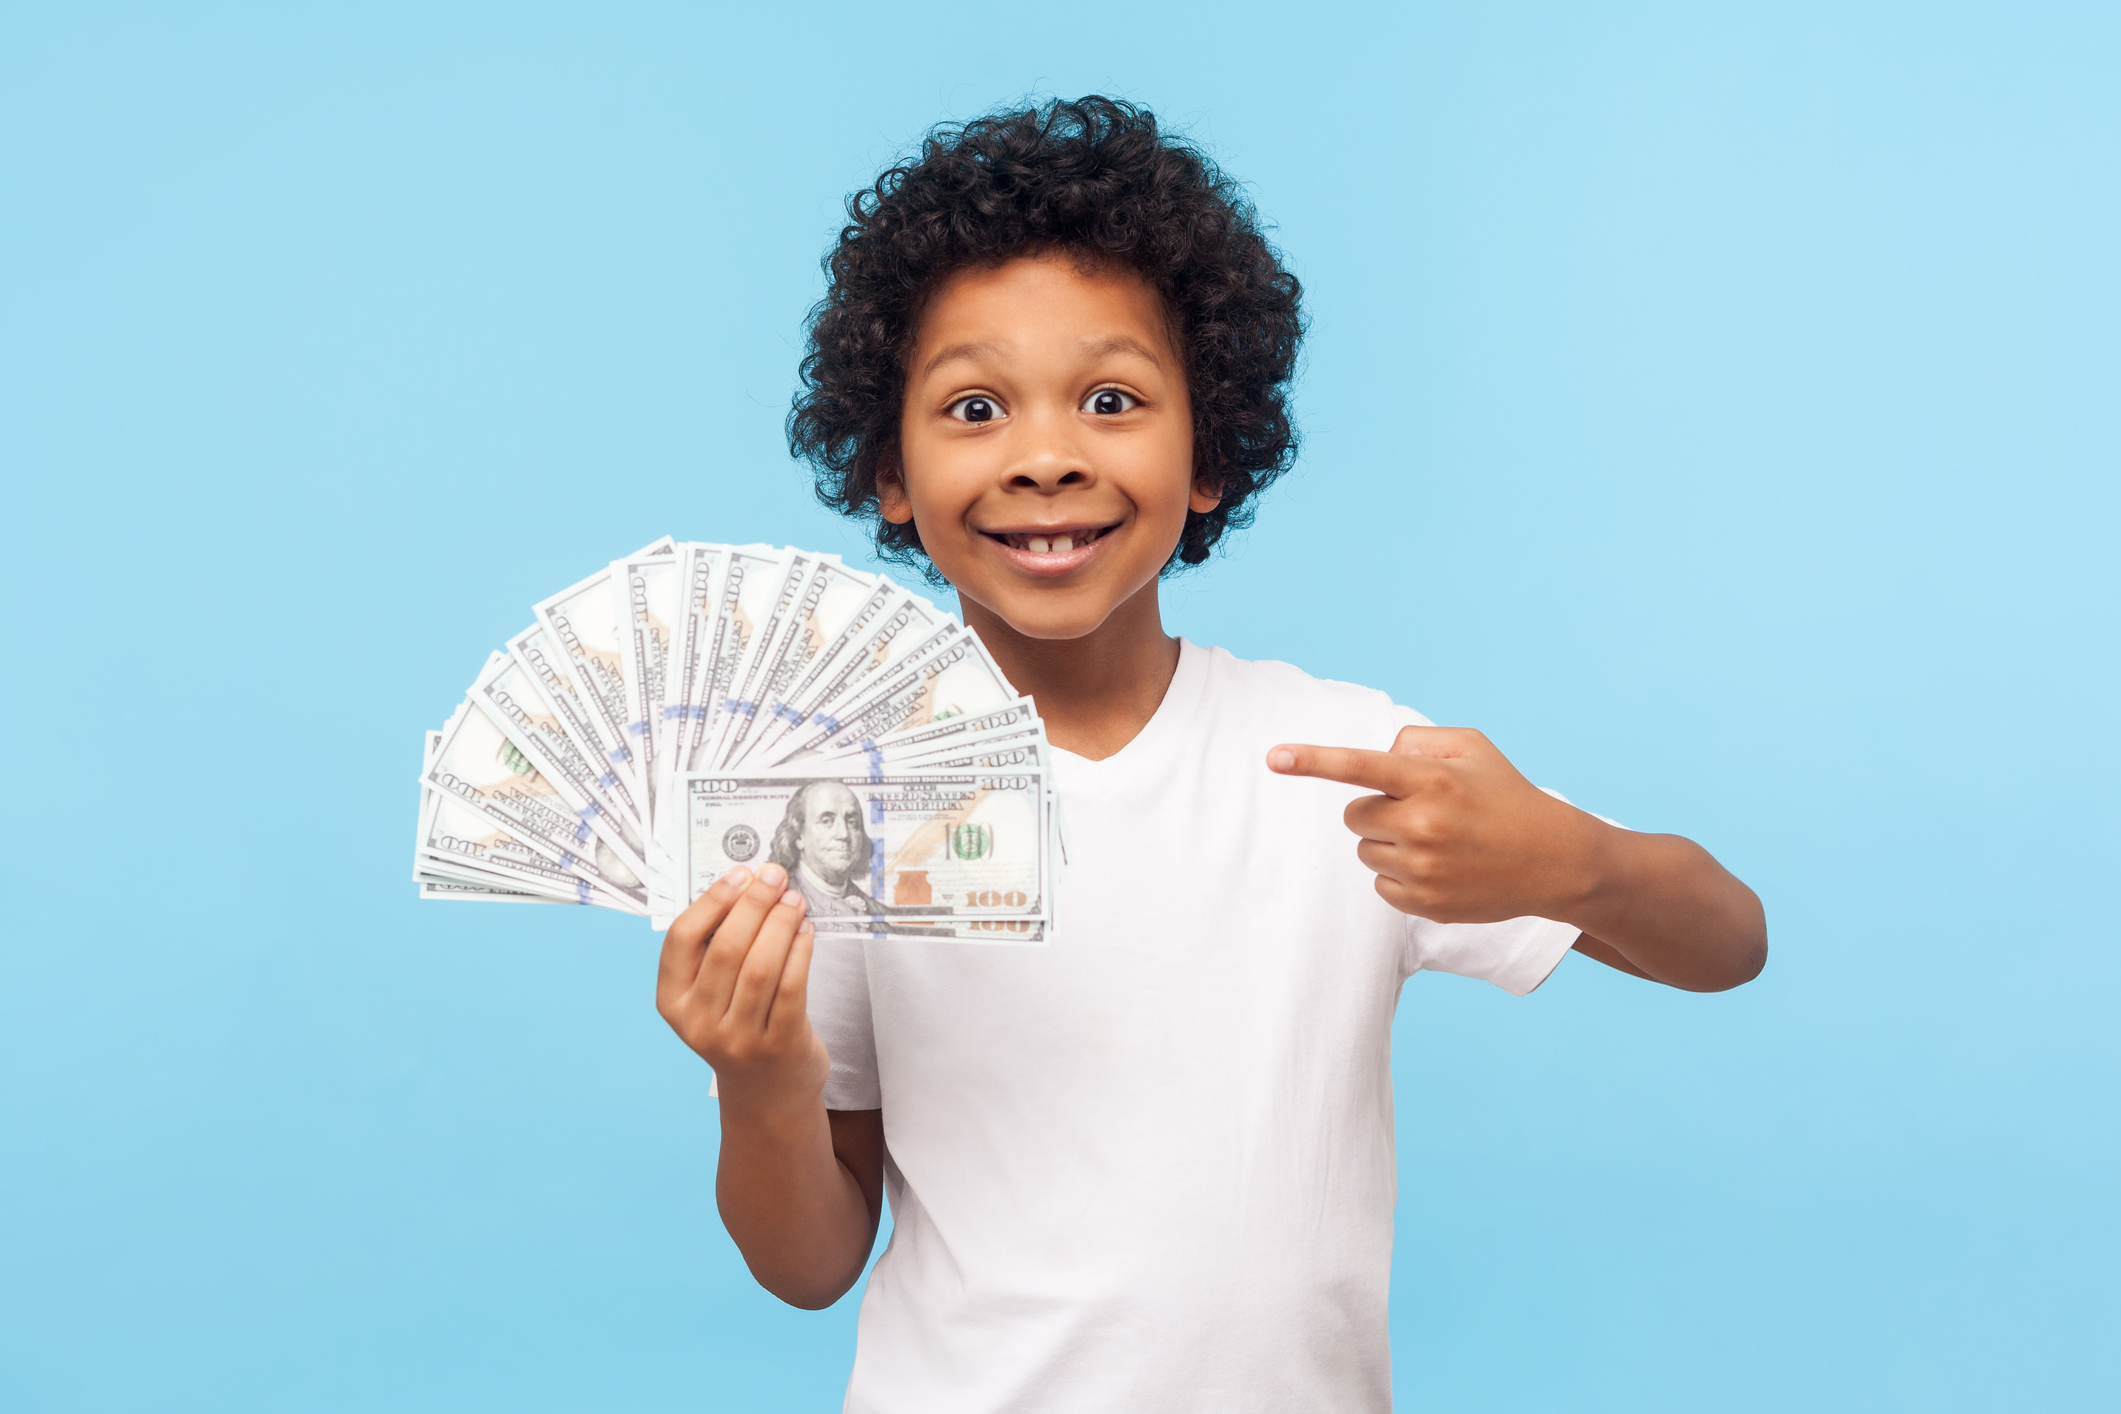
(1097, 692)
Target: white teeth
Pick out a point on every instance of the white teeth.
(1049, 544)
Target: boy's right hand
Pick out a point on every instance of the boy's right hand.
(733, 983)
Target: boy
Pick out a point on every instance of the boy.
(1148, 1166)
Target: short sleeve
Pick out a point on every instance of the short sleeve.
(1516, 954)
(839, 1012)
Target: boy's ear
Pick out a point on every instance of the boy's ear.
(1207, 494)
(892, 502)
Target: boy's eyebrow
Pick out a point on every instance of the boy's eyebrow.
(1094, 348)
(1120, 343)
(976, 353)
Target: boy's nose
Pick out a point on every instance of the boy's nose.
(1049, 468)
(1048, 478)
(1048, 458)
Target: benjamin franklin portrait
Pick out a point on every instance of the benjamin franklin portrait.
(825, 849)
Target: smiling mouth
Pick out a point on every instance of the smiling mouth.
(1051, 542)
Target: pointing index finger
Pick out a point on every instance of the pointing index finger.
(1372, 770)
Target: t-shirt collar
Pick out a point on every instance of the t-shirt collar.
(1181, 699)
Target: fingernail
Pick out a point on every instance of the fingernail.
(1281, 758)
(736, 878)
(793, 897)
(774, 875)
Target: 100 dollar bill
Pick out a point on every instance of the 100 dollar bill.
(951, 676)
(903, 852)
(873, 653)
(585, 622)
(826, 603)
(481, 768)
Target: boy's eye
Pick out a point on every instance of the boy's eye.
(1109, 401)
(976, 408)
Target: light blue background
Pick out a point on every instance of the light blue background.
(1714, 403)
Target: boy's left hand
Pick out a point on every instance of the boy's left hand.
(1456, 834)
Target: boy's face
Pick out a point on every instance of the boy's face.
(1046, 442)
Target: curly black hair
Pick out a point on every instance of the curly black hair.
(1097, 177)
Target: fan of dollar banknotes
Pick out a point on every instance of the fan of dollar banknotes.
(697, 707)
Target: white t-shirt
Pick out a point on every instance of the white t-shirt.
(1150, 1165)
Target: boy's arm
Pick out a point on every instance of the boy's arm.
(1666, 910)
(1459, 836)
(800, 1188)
